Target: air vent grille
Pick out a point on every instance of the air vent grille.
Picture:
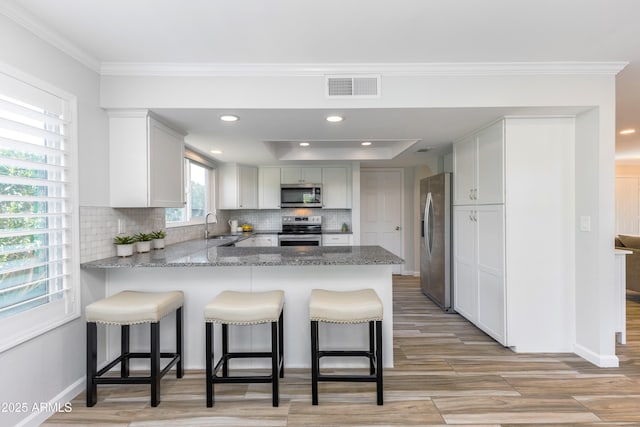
(353, 86)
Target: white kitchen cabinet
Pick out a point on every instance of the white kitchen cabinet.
(479, 164)
(238, 186)
(337, 240)
(146, 161)
(479, 279)
(509, 259)
(301, 175)
(259, 240)
(336, 187)
(269, 188)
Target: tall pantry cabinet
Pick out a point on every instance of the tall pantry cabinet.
(511, 216)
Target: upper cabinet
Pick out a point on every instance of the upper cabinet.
(479, 165)
(269, 187)
(336, 187)
(297, 175)
(238, 186)
(146, 161)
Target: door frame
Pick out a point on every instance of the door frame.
(402, 268)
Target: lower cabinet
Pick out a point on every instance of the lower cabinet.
(337, 240)
(479, 266)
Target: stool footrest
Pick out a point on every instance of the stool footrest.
(349, 378)
(350, 353)
(175, 358)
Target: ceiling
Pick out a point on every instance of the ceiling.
(101, 33)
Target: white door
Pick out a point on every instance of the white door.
(381, 210)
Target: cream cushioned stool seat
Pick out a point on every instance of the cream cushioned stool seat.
(242, 309)
(359, 306)
(132, 308)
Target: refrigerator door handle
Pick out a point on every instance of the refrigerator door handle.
(428, 226)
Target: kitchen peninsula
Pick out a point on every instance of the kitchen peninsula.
(203, 268)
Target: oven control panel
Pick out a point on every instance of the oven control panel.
(312, 220)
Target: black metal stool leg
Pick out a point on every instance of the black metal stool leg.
(372, 367)
(179, 343)
(315, 362)
(92, 349)
(124, 351)
(281, 343)
(155, 363)
(275, 350)
(379, 368)
(225, 350)
(209, 362)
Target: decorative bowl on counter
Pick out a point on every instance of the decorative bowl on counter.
(247, 228)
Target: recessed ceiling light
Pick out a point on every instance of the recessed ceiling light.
(304, 144)
(365, 143)
(334, 119)
(215, 152)
(627, 131)
(229, 118)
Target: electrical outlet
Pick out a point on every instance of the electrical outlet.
(120, 226)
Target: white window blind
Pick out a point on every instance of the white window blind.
(37, 222)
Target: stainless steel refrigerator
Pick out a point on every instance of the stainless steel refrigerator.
(435, 241)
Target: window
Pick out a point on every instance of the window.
(198, 185)
(39, 262)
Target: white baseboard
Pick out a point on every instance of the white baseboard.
(601, 361)
(57, 403)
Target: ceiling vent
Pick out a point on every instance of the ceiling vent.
(353, 86)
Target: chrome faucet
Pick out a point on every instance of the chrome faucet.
(206, 223)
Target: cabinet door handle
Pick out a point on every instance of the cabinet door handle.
(471, 194)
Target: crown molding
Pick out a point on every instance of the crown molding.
(388, 69)
(29, 22)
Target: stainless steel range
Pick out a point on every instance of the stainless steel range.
(301, 231)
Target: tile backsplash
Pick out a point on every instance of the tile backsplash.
(98, 225)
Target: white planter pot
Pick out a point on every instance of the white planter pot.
(124, 250)
(158, 243)
(143, 246)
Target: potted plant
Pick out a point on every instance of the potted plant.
(124, 245)
(143, 242)
(158, 239)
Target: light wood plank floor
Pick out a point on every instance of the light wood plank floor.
(446, 372)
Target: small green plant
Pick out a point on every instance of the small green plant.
(158, 234)
(124, 240)
(143, 237)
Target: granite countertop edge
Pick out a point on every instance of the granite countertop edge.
(201, 253)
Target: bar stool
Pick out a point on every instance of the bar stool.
(244, 308)
(130, 308)
(361, 306)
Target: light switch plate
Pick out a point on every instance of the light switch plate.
(585, 223)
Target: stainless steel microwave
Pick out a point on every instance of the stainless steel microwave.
(301, 195)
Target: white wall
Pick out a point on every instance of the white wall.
(51, 366)
(594, 198)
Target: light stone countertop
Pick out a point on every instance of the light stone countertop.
(201, 253)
